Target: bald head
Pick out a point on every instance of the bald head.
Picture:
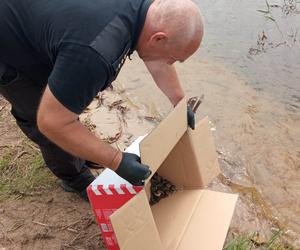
(174, 25)
(180, 19)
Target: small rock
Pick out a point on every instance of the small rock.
(49, 200)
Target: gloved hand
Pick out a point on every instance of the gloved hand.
(132, 170)
(190, 117)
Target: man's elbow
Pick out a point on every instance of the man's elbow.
(45, 125)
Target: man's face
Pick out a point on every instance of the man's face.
(179, 52)
(168, 58)
(168, 52)
(176, 56)
(165, 54)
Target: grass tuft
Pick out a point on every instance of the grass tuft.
(23, 171)
(246, 242)
(240, 243)
(267, 13)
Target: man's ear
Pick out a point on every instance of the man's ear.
(159, 38)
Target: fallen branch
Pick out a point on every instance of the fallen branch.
(74, 239)
(115, 104)
(72, 230)
(16, 225)
(71, 224)
(19, 156)
(41, 224)
(33, 147)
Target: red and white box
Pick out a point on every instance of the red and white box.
(107, 193)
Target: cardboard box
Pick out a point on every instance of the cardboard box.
(191, 218)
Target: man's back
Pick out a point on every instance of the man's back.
(32, 30)
(76, 46)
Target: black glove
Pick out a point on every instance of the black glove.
(132, 170)
(190, 117)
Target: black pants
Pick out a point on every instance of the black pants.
(24, 96)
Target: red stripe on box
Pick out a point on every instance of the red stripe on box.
(100, 189)
(124, 188)
(137, 188)
(111, 187)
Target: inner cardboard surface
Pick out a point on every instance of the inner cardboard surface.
(194, 219)
(193, 162)
(172, 216)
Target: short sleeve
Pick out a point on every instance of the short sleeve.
(79, 73)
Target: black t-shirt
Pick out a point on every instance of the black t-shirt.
(76, 46)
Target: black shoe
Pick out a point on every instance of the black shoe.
(65, 185)
(79, 183)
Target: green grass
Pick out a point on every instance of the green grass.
(23, 171)
(267, 13)
(245, 242)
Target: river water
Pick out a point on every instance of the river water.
(264, 49)
(248, 69)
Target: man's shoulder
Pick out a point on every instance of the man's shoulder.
(112, 40)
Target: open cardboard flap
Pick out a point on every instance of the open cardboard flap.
(192, 218)
(134, 225)
(159, 143)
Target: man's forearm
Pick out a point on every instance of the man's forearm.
(78, 140)
(63, 128)
(165, 77)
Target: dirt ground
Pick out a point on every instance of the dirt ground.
(50, 219)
